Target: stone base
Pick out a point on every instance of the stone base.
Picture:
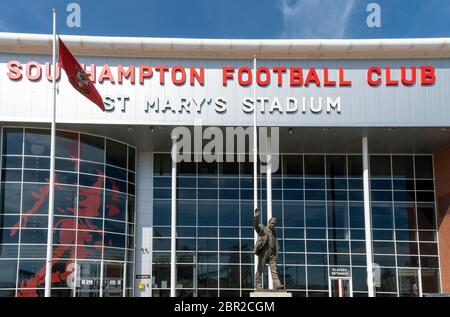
(270, 293)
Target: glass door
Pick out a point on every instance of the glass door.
(409, 285)
(89, 275)
(113, 279)
(340, 287)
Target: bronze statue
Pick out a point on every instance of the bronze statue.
(266, 248)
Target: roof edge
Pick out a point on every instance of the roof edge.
(25, 43)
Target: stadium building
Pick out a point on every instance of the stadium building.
(359, 175)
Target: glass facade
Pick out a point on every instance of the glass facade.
(318, 203)
(404, 224)
(94, 215)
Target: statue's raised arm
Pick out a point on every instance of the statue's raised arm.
(256, 224)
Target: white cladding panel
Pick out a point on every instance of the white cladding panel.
(361, 104)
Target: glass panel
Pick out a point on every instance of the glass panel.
(408, 283)
(65, 200)
(207, 169)
(115, 172)
(356, 211)
(207, 276)
(10, 198)
(408, 261)
(336, 166)
(405, 216)
(229, 276)
(66, 144)
(90, 202)
(292, 165)
(380, 166)
(430, 281)
(31, 275)
(355, 165)
(185, 276)
(424, 185)
(35, 199)
(12, 141)
(207, 213)
(66, 165)
(8, 273)
(387, 281)
(37, 142)
(314, 165)
(424, 166)
(12, 175)
(161, 212)
(337, 215)
(359, 278)
(113, 280)
(402, 166)
(186, 213)
(8, 221)
(131, 158)
(12, 162)
(426, 216)
(162, 165)
(403, 184)
(92, 148)
(294, 214)
(229, 213)
(229, 168)
(315, 214)
(66, 178)
(317, 278)
(382, 216)
(295, 277)
(91, 168)
(89, 285)
(383, 248)
(115, 205)
(407, 248)
(116, 153)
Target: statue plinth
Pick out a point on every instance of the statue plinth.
(270, 293)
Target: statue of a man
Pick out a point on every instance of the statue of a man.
(266, 248)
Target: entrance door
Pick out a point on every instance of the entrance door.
(409, 285)
(113, 279)
(89, 284)
(340, 287)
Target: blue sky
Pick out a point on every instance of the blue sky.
(233, 18)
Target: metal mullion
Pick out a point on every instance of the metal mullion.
(394, 225)
(20, 214)
(326, 212)
(134, 222)
(124, 280)
(436, 231)
(419, 268)
(76, 217)
(304, 226)
(350, 253)
(280, 165)
(102, 262)
(218, 231)
(196, 229)
(240, 224)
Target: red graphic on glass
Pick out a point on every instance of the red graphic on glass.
(90, 202)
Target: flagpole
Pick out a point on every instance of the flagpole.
(51, 193)
(255, 155)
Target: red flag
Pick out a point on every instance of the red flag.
(77, 76)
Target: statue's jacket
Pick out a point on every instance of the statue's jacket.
(262, 245)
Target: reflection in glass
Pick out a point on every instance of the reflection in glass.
(37, 142)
